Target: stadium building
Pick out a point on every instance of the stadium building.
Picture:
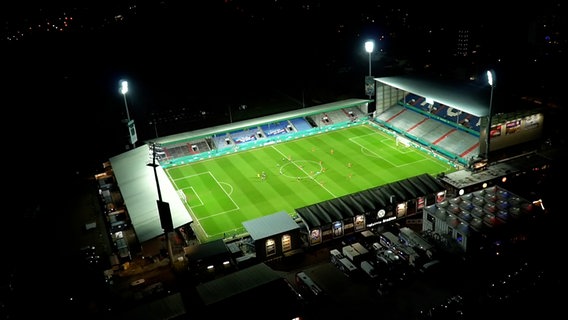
(448, 121)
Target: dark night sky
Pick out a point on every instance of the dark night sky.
(62, 89)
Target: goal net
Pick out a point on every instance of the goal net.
(402, 141)
(182, 195)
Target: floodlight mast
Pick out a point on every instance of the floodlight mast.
(370, 47)
(155, 165)
(163, 207)
(124, 90)
(491, 82)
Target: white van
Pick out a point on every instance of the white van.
(377, 246)
(431, 265)
(369, 269)
(335, 255)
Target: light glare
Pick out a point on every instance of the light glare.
(123, 86)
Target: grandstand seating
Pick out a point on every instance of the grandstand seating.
(300, 124)
(274, 129)
(222, 141)
(247, 135)
(430, 131)
(184, 149)
(234, 138)
(441, 111)
(336, 116)
(411, 118)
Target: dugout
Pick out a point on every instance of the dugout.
(357, 212)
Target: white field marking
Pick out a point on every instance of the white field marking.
(367, 151)
(306, 173)
(196, 222)
(196, 195)
(294, 163)
(228, 196)
(191, 176)
(202, 203)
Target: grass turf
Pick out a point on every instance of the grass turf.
(225, 191)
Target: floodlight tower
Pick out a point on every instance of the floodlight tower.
(369, 81)
(370, 47)
(164, 211)
(491, 81)
(123, 89)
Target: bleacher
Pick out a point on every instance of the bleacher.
(336, 116)
(353, 113)
(405, 119)
(300, 124)
(441, 111)
(247, 135)
(235, 137)
(185, 149)
(434, 136)
(460, 143)
(274, 129)
(222, 141)
(429, 130)
(414, 119)
(231, 139)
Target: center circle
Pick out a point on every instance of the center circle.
(301, 169)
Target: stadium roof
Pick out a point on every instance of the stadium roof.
(269, 225)
(221, 129)
(465, 178)
(206, 251)
(348, 206)
(465, 96)
(236, 283)
(137, 184)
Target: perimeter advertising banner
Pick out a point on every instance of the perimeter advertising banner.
(511, 132)
(369, 86)
(132, 132)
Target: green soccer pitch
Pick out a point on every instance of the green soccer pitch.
(223, 192)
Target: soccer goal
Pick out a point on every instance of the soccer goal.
(400, 140)
(182, 195)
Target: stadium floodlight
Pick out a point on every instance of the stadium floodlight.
(491, 81)
(370, 47)
(369, 82)
(124, 89)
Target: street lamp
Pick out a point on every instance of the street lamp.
(491, 81)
